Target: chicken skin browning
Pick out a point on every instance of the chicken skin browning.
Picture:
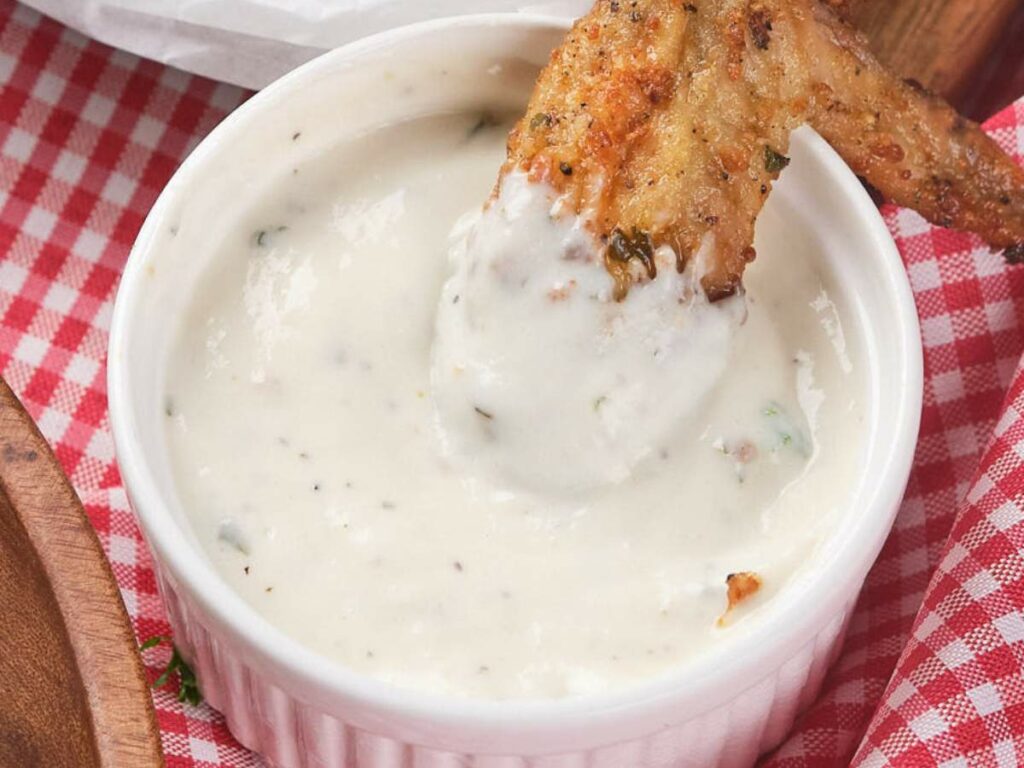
(665, 122)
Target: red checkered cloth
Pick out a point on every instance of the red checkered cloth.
(88, 136)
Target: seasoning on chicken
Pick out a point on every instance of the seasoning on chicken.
(665, 123)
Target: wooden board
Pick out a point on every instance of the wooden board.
(73, 692)
(943, 44)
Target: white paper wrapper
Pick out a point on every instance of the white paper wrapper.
(252, 42)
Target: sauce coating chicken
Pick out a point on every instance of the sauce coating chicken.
(665, 122)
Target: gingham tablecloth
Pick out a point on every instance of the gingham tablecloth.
(89, 135)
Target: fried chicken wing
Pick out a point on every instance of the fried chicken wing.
(666, 122)
(911, 145)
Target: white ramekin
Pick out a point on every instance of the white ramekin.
(301, 710)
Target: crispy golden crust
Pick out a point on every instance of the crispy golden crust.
(633, 106)
(667, 122)
(602, 96)
(739, 587)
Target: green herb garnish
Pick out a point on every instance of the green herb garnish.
(774, 161)
(262, 237)
(786, 432)
(188, 686)
(623, 248)
(541, 118)
(638, 245)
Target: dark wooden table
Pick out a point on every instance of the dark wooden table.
(970, 51)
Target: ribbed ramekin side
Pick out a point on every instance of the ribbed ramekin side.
(291, 734)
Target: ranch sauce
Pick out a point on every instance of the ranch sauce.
(314, 456)
(541, 378)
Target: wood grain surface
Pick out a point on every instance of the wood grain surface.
(1000, 80)
(943, 44)
(73, 692)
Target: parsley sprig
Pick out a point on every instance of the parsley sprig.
(774, 161)
(188, 686)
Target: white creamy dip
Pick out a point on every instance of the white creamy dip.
(305, 440)
(541, 378)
